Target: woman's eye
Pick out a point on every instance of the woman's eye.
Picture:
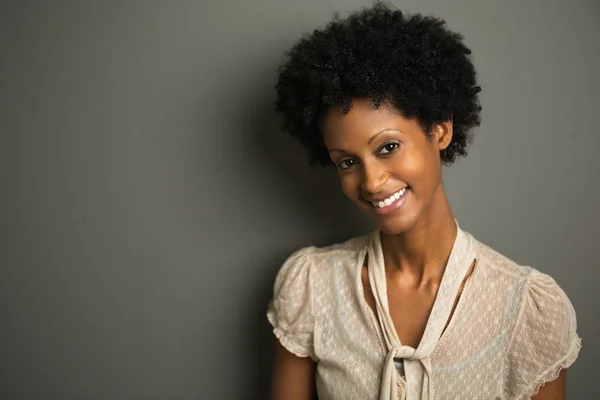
(388, 148)
(345, 164)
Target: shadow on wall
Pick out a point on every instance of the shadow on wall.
(311, 193)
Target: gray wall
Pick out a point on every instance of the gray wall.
(148, 199)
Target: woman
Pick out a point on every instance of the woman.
(419, 309)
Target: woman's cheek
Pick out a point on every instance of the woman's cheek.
(349, 187)
(411, 166)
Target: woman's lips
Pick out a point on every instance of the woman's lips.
(394, 205)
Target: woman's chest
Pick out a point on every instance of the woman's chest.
(352, 358)
(467, 360)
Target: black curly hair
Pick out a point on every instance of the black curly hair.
(411, 62)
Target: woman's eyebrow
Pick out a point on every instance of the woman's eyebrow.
(382, 131)
(336, 150)
(370, 139)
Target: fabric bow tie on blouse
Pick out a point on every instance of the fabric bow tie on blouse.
(416, 362)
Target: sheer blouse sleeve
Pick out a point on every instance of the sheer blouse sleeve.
(290, 312)
(545, 339)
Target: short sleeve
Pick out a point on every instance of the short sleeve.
(544, 340)
(290, 311)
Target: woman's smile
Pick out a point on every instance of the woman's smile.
(384, 205)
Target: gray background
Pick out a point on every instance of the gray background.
(148, 199)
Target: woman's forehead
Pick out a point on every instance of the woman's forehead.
(363, 119)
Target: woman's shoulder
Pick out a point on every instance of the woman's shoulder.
(499, 267)
(532, 282)
(320, 256)
(497, 263)
(536, 294)
(309, 261)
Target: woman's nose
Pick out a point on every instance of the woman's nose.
(374, 178)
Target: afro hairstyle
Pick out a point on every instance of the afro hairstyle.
(410, 62)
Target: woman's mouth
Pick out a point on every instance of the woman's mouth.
(390, 204)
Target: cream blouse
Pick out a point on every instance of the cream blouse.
(512, 330)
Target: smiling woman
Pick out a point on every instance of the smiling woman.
(380, 155)
(418, 309)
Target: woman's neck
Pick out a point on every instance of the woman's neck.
(421, 253)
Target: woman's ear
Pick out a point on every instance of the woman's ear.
(442, 134)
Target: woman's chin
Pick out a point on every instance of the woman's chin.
(394, 224)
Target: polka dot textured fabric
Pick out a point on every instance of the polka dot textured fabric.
(513, 329)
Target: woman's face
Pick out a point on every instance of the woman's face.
(388, 167)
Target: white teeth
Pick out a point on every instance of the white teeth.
(389, 200)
